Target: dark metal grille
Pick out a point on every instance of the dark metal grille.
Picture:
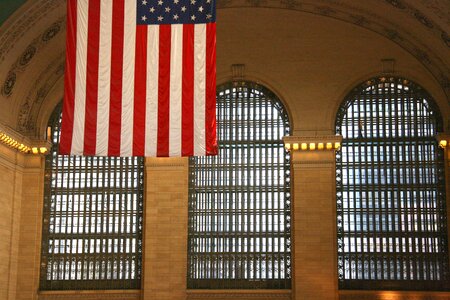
(92, 221)
(391, 203)
(239, 207)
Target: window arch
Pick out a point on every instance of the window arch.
(92, 220)
(239, 200)
(391, 203)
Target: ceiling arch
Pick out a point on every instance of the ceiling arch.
(383, 18)
(421, 27)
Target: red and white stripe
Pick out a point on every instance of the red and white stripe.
(137, 90)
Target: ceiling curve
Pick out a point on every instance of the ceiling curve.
(421, 27)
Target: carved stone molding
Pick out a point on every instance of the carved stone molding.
(166, 162)
(353, 14)
(237, 72)
(29, 18)
(26, 120)
(21, 63)
(314, 164)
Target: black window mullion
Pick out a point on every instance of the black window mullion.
(399, 189)
(248, 160)
(85, 191)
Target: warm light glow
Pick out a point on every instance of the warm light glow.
(43, 150)
(9, 141)
(443, 143)
(49, 133)
(291, 145)
(35, 150)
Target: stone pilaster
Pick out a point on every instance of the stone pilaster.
(314, 225)
(165, 229)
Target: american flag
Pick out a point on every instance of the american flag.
(140, 78)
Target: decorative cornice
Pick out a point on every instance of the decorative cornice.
(26, 120)
(314, 164)
(21, 64)
(355, 15)
(166, 162)
(28, 19)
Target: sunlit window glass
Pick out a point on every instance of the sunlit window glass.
(92, 220)
(391, 203)
(239, 201)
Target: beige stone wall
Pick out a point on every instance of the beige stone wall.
(11, 173)
(30, 227)
(311, 62)
(314, 226)
(165, 242)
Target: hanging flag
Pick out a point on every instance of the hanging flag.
(140, 78)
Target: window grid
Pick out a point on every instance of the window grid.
(391, 203)
(239, 207)
(92, 220)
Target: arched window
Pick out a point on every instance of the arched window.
(391, 203)
(239, 200)
(92, 220)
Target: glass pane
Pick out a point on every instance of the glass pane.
(391, 209)
(239, 206)
(92, 223)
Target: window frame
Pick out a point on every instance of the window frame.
(241, 280)
(360, 139)
(112, 254)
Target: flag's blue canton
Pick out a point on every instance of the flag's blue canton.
(155, 12)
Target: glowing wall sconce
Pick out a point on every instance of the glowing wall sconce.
(292, 143)
(23, 144)
(443, 140)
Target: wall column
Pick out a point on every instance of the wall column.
(165, 228)
(11, 172)
(30, 228)
(314, 214)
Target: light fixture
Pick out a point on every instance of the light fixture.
(23, 144)
(312, 143)
(443, 143)
(43, 150)
(13, 143)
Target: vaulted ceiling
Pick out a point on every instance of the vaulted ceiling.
(32, 41)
